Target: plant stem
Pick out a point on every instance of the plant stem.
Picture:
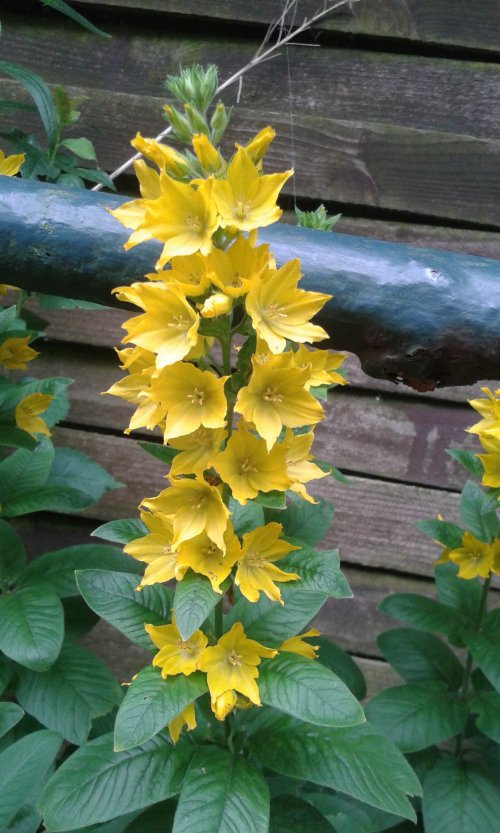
(464, 691)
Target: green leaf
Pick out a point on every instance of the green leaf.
(77, 688)
(159, 452)
(421, 612)
(157, 819)
(418, 715)
(79, 619)
(24, 471)
(152, 702)
(308, 522)
(10, 715)
(468, 460)
(64, 8)
(58, 567)
(462, 797)
(114, 598)
(26, 820)
(96, 175)
(307, 690)
(272, 500)
(194, 600)
(346, 815)
(76, 470)
(222, 793)
(81, 147)
(41, 95)
(58, 302)
(48, 499)
(444, 532)
(121, 532)
(485, 648)
(462, 596)
(358, 761)
(12, 553)
(23, 765)
(343, 665)
(5, 673)
(318, 570)
(476, 514)
(11, 394)
(487, 707)
(291, 814)
(419, 656)
(70, 181)
(32, 627)
(271, 623)
(245, 518)
(96, 784)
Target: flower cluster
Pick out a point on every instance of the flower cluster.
(218, 363)
(488, 431)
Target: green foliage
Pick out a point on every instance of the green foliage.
(485, 648)
(419, 656)
(460, 795)
(23, 765)
(421, 612)
(306, 522)
(194, 600)
(32, 626)
(267, 622)
(476, 513)
(342, 664)
(317, 219)
(319, 571)
(66, 9)
(122, 532)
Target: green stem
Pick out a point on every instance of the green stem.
(464, 691)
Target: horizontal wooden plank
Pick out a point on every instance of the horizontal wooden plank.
(473, 25)
(449, 96)
(374, 524)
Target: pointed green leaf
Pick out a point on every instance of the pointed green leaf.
(271, 623)
(341, 664)
(291, 814)
(462, 797)
(65, 8)
(58, 567)
(6, 668)
(24, 471)
(307, 690)
(318, 570)
(421, 612)
(23, 765)
(81, 147)
(194, 600)
(272, 500)
(114, 598)
(66, 698)
(160, 452)
(485, 648)
(308, 522)
(418, 715)
(476, 514)
(222, 793)
(122, 531)
(96, 784)
(444, 532)
(10, 715)
(77, 471)
(487, 707)
(32, 626)
(245, 518)
(358, 761)
(40, 93)
(419, 656)
(152, 702)
(462, 596)
(12, 553)
(468, 460)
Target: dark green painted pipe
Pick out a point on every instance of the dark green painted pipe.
(424, 316)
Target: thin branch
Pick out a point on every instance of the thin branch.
(286, 34)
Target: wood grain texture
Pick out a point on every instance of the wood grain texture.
(462, 23)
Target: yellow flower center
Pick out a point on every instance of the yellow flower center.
(185, 648)
(194, 223)
(246, 466)
(271, 394)
(233, 658)
(236, 281)
(197, 397)
(274, 311)
(198, 504)
(209, 550)
(254, 559)
(178, 322)
(242, 208)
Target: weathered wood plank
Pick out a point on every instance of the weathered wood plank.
(474, 25)
(347, 84)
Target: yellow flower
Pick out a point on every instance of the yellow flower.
(248, 467)
(490, 411)
(224, 703)
(164, 157)
(140, 364)
(323, 365)
(196, 506)
(496, 556)
(246, 200)
(231, 665)
(14, 353)
(156, 550)
(257, 146)
(256, 569)
(132, 214)
(197, 451)
(234, 270)
(189, 273)
(208, 156)
(168, 326)
(276, 397)
(183, 218)
(185, 718)
(474, 558)
(296, 645)
(188, 398)
(176, 655)
(279, 311)
(215, 305)
(490, 461)
(299, 466)
(205, 557)
(10, 165)
(27, 413)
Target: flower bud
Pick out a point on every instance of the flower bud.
(217, 304)
(224, 703)
(196, 120)
(257, 146)
(208, 156)
(180, 125)
(219, 122)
